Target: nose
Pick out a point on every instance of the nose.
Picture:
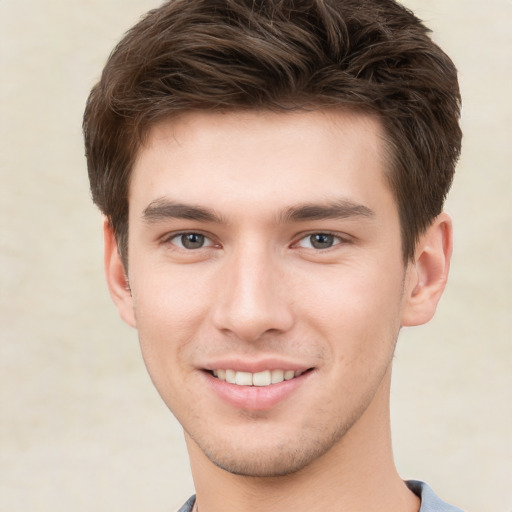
(253, 298)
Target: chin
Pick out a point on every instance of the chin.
(271, 458)
(262, 466)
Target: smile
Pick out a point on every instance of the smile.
(258, 390)
(261, 379)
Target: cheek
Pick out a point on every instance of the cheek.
(353, 289)
(169, 313)
(169, 307)
(359, 309)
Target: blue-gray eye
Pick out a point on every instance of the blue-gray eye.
(319, 241)
(190, 240)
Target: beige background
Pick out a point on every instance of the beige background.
(81, 427)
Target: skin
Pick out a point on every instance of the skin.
(258, 293)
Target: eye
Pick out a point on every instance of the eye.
(191, 241)
(319, 241)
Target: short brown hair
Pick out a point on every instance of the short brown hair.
(373, 55)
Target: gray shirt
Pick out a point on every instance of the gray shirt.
(430, 502)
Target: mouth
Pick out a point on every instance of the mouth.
(258, 379)
(261, 390)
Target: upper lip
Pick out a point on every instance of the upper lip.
(254, 366)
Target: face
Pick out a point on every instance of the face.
(266, 280)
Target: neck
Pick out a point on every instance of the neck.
(358, 474)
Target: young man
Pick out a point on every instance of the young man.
(272, 175)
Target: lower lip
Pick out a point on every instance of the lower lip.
(255, 398)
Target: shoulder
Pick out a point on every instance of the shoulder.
(189, 505)
(430, 502)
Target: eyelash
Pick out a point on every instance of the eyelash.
(335, 238)
(170, 239)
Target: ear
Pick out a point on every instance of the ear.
(426, 277)
(116, 276)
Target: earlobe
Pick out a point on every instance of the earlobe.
(117, 280)
(427, 275)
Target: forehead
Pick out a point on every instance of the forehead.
(246, 157)
(206, 128)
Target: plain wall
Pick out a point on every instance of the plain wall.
(81, 426)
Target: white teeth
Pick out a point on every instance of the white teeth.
(277, 376)
(243, 379)
(264, 378)
(231, 376)
(261, 378)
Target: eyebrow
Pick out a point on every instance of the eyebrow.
(162, 209)
(341, 209)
